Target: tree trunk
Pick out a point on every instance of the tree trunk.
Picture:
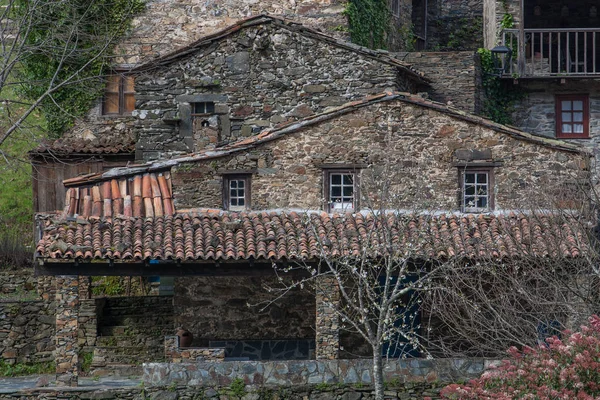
(378, 373)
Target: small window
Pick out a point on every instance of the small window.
(341, 192)
(476, 190)
(203, 108)
(236, 192)
(119, 95)
(395, 7)
(572, 116)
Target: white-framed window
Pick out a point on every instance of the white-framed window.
(341, 191)
(476, 190)
(236, 192)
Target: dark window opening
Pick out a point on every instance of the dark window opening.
(119, 95)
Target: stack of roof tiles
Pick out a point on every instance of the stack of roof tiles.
(141, 195)
(209, 235)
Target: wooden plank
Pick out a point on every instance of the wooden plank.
(241, 268)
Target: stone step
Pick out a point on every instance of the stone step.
(105, 355)
(130, 340)
(145, 331)
(116, 369)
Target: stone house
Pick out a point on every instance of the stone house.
(239, 137)
(219, 218)
(555, 63)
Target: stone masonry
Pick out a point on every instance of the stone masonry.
(166, 25)
(67, 310)
(327, 318)
(454, 77)
(425, 146)
(175, 354)
(537, 111)
(256, 78)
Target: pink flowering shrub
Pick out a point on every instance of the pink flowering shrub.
(564, 369)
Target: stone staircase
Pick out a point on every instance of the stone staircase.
(131, 331)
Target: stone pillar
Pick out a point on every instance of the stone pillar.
(67, 312)
(327, 320)
(85, 287)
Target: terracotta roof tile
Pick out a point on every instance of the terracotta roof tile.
(141, 195)
(116, 142)
(205, 235)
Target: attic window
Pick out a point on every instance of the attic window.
(203, 108)
(236, 192)
(119, 95)
(341, 190)
(476, 190)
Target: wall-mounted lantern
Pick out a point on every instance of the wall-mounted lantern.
(501, 57)
(593, 12)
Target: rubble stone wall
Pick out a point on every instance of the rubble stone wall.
(167, 25)
(536, 113)
(452, 24)
(428, 145)
(227, 308)
(454, 76)
(258, 77)
(27, 331)
(328, 372)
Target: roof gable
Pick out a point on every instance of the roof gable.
(377, 55)
(283, 130)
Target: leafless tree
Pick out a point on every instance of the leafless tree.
(73, 41)
(404, 291)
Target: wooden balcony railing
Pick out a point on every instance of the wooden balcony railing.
(553, 52)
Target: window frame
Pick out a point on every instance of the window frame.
(247, 179)
(194, 114)
(395, 8)
(559, 111)
(327, 173)
(490, 189)
(121, 94)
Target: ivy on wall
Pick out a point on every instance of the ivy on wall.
(500, 99)
(71, 43)
(369, 22)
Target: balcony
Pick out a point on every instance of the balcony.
(552, 53)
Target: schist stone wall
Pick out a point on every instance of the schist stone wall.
(256, 78)
(27, 331)
(225, 312)
(454, 76)
(451, 24)
(412, 147)
(167, 25)
(536, 113)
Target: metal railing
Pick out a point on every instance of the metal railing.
(553, 52)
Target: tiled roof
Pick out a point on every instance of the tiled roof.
(287, 235)
(333, 112)
(117, 143)
(380, 55)
(141, 195)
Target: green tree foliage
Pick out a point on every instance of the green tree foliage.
(369, 22)
(69, 46)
